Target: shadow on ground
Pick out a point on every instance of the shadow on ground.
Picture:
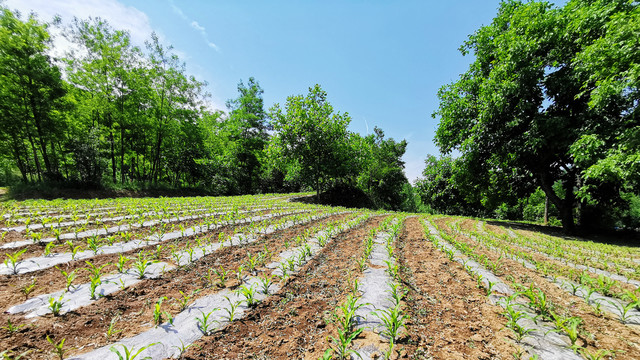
(610, 237)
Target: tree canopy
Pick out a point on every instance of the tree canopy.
(551, 98)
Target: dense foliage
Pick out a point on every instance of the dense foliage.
(550, 102)
(109, 114)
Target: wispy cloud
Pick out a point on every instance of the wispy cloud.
(195, 25)
(117, 14)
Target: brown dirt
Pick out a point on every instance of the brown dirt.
(293, 323)
(134, 306)
(598, 332)
(451, 316)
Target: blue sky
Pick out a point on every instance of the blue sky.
(381, 61)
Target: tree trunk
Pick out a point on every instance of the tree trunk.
(546, 210)
(564, 206)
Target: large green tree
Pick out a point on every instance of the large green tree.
(247, 131)
(311, 140)
(524, 106)
(31, 96)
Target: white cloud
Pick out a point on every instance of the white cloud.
(198, 27)
(118, 15)
(194, 24)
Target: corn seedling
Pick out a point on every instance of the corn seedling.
(393, 320)
(231, 310)
(12, 328)
(122, 261)
(128, 353)
(184, 299)
(249, 294)
(158, 314)
(183, 348)
(513, 316)
(222, 276)
(94, 243)
(55, 305)
(623, 310)
(8, 355)
(69, 277)
(597, 355)
(141, 264)
(342, 342)
(94, 270)
(58, 348)
(28, 288)
(94, 282)
(204, 323)
(238, 273)
(48, 247)
(13, 260)
(265, 282)
(111, 329)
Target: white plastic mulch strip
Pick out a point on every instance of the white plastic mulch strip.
(375, 285)
(116, 229)
(612, 305)
(541, 341)
(58, 224)
(81, 295)
(597, 271)
(43, 262)
(186, 327)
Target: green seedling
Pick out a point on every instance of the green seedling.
(597, 355)
(231, 310)
(184, 299)
(249, 294)
(141, 264)
(48, 247)
(94, 282)
(183, 348)
(623, 310)
(204, 324)
(12, 328)
(28, 288)
(128, 353)
(58, 348)
(94, 243)
(8, 355)
(13, 260)
(94, 270)
(393, 320)
(111, 329)
(55, 305)
(222, 276)
(159, 315)
(122, 261)
(69, 277)
(265, 282)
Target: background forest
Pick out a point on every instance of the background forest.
(544, 123)
(110, 115)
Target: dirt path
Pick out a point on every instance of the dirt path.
(293, 323)
(451, 317)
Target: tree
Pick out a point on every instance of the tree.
(310, 138)
(525, 101)
(104, 70)
(32, 93)
(379, 169)
(247, 129)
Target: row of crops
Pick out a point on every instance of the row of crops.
(265, 277)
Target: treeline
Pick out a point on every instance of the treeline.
(547, 113)
(110, 114)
